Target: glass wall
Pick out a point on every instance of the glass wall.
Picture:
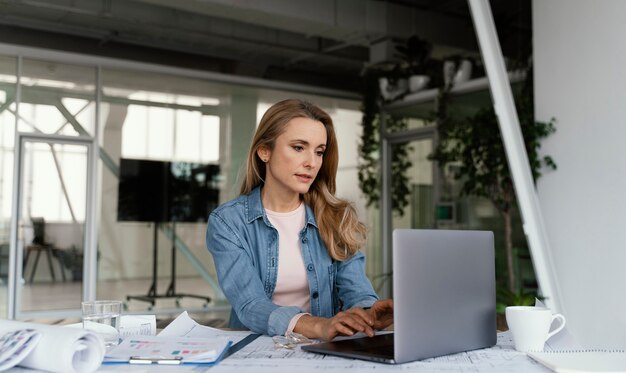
(198, 130)
(55, 99)
(163, 121)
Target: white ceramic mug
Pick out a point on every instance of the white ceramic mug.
(530, 326)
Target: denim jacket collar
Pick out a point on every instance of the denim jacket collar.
(255, 210)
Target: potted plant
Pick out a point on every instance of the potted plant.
(457, 69)
(391, 78)
(415, 55)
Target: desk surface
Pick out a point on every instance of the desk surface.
(261, 356)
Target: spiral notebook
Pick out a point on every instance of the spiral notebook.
(582, 361)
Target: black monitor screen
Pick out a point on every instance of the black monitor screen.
(154, 191)
(193, 191)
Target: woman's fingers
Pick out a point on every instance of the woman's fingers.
(362, 314)
(384, 313)
(350, 322)
(355, 322)
(343, 329)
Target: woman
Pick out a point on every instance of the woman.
(287, 250)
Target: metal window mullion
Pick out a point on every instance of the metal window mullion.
(90, 265)
(14, 267)
(385, 205)
(436, 179)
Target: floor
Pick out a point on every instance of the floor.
(67, 295)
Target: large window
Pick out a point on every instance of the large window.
(55, 178)
(153, 132)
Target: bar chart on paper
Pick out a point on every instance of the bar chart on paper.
(191, 350)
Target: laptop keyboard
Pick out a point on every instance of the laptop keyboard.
(377, 345)
(386, 350)
(378, 348)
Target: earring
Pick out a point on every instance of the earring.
(265, 160)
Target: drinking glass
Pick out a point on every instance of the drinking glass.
(103, 318)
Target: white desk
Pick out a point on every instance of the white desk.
(261, 357)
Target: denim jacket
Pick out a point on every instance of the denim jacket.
(244, 245)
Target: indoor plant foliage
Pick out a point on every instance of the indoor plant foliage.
(412, 58)
(370, 145)
(415, 54)
(475, 143)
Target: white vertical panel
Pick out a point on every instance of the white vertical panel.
(516, 152)
(580, 54)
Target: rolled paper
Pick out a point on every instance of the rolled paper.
(60, 349)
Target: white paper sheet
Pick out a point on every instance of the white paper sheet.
(67, 350)
(137, 325)
(185, 326)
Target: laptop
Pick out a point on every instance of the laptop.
(444, 298)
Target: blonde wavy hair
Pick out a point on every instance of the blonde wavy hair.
(336, 218)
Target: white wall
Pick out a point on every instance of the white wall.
(580, 79)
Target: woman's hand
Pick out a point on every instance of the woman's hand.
(352, 321)
(381, 313)
(343, 323)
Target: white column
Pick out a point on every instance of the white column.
(516, 152)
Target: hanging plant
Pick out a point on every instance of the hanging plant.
(370, 146)
(410, 59)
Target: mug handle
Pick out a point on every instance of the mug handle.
(562, 319)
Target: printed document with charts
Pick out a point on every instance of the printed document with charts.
(188, 350)
(183, 338)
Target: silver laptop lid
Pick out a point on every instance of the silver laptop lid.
(444, 292)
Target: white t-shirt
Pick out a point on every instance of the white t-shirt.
(292, 285)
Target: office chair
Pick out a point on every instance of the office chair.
(38, 246)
